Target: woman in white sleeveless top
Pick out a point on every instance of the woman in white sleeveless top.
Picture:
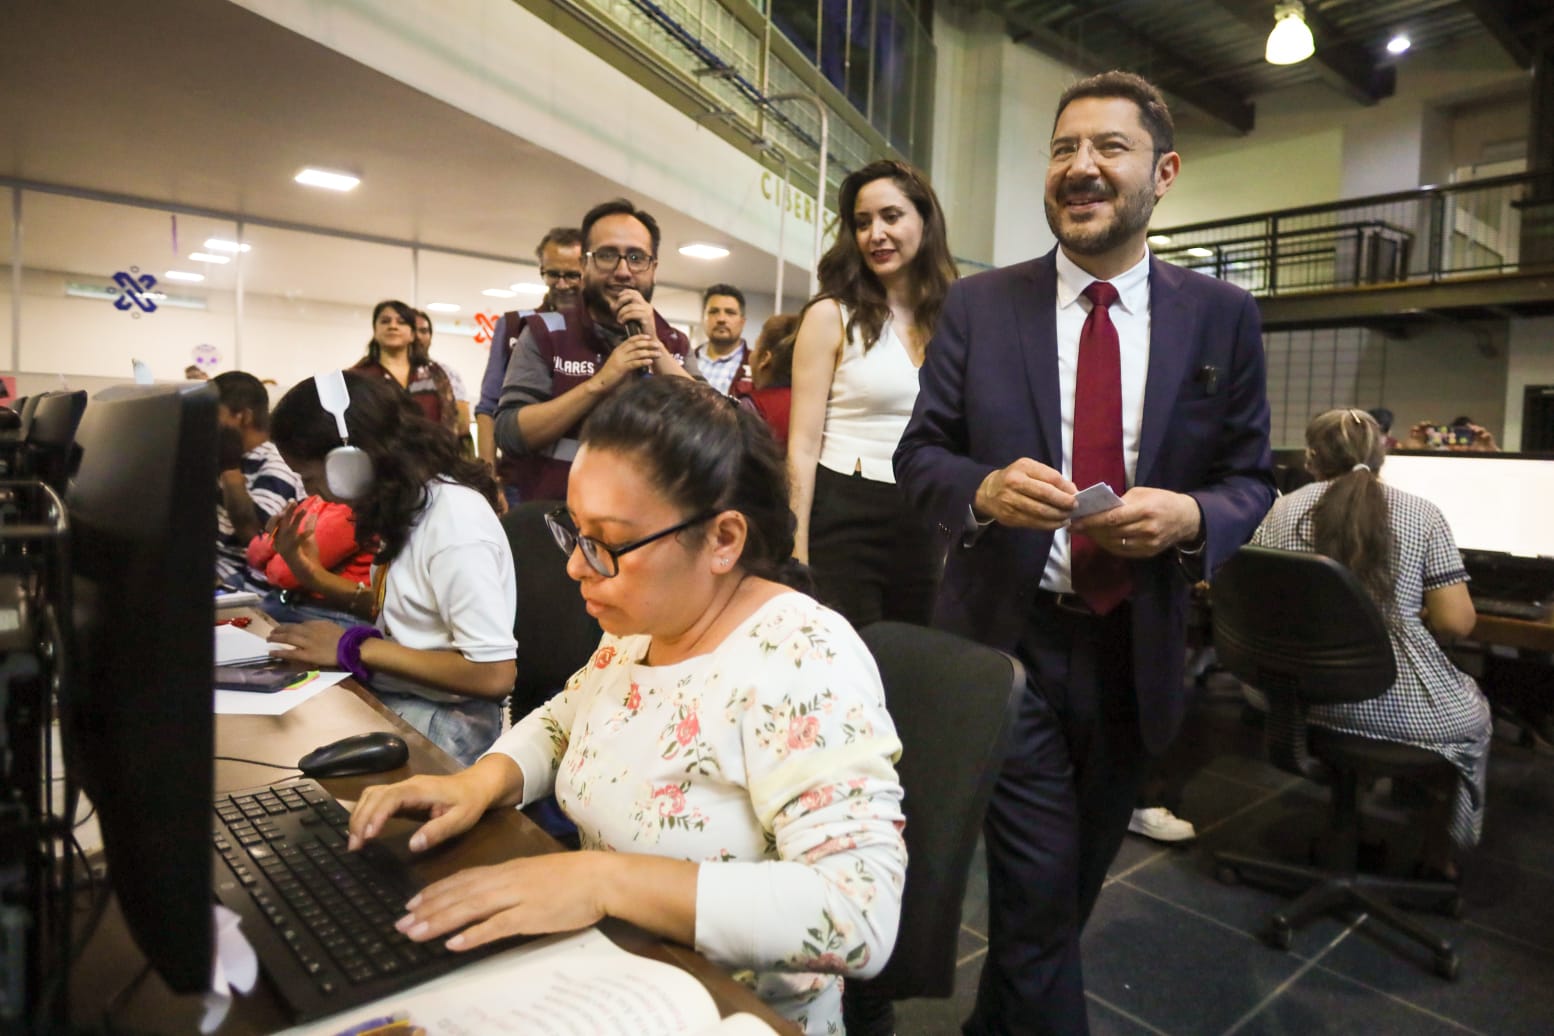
(855, 361)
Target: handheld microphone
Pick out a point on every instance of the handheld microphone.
(633, 327)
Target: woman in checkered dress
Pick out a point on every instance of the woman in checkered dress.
(1401, 549)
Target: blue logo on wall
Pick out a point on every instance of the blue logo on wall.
(133, 290)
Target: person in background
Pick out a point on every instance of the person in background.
(724, 359)
(1400, 548)
(312, 536)
(1384, 419)
(194, 372)
(563, 367)
(394, 354)
(855, 361)
(1093, 364)
(255, 484)
(726, 752)
(771, 373)
(423, 338)
(560, 255)
(444, 594)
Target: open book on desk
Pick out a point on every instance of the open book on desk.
(563, 986)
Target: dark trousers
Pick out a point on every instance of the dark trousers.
(1058, 815)
(871, 555)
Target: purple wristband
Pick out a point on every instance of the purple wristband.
(349, 651)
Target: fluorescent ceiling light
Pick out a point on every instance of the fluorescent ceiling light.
(1160, 239)
(441, 307)
(184, 275)
(527, 288)
(499, 293)
(460, 330)
(221, 244)
(207, 257)
(699, 250)
(1398, 44)
(1290, 41)
(1200, 253)
(327, 179)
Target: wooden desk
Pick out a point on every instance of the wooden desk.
(109, 963)
(1502, 631)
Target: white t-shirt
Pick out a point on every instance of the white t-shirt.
(452, 586)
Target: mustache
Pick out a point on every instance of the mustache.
(1093, 189)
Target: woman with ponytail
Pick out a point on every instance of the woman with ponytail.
(725, 753)
(1400, 548)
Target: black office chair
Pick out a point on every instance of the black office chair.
(1300, 628)
(952, 702)
(556, 635)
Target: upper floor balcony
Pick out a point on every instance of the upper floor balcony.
(1461, 249)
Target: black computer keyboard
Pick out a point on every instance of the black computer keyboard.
(320, 919)
(1532, 611)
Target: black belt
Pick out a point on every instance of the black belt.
(1067, 602)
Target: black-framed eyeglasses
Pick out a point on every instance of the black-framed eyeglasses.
(607, 259)
(562, 275)
(601, 557)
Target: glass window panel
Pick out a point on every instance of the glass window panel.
(97, 293)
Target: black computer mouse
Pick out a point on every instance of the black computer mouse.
(362, 753)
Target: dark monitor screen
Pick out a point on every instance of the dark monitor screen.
(136, 707)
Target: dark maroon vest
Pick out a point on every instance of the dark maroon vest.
(574, 353)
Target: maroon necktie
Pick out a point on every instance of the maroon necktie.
(1101, 579)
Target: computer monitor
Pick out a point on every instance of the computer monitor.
(135, 703)
(1494, 502)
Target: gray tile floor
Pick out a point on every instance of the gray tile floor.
(1173, 952)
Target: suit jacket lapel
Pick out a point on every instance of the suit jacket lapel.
(1035, 322)
(1173, 315)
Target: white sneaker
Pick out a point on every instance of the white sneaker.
(1161, 824)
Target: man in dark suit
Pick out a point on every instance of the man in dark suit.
(1094, 363)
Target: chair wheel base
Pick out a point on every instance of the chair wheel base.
(1279, 934)
(1446, 965)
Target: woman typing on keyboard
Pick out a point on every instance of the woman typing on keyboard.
(1401, 549)
(725, 753)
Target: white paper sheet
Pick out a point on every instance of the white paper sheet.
(277, 703)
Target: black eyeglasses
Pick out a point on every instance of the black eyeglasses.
(562, 275)
(602, 558)
(607, 259)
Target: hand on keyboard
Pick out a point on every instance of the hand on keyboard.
(533, 895)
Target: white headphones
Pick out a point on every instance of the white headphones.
(347, 469)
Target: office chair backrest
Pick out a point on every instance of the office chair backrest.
(952, 701)
(555, 633)
(1301, 628)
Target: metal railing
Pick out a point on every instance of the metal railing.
(1478, 228)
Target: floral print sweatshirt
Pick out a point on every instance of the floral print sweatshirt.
(768, 760)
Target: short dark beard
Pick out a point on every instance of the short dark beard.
(598, 303)
(1133, 212)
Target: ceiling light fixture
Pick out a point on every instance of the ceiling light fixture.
(1398, 44)
(700, 250)
(328, 179)
(499, 293)
(185, 276)
(207, 257)
(442, 307)
(528, 288)
(1200, 252)
(1290, 41)
(221, 244)
(1159, 240)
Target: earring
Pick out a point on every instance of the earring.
(723, 562)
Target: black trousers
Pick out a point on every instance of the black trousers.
(1058, 815)
(872, 556)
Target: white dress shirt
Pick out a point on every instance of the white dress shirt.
(1130, 316)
